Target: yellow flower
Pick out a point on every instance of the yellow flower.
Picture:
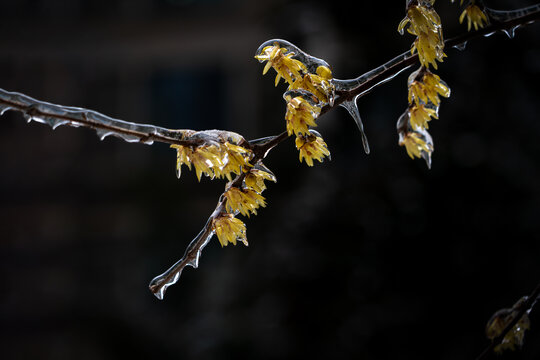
(315, 84)
(475, 16)
(255, 179)
(427, 89)
(311, 147)
(415, 144)
(300, 115)
(243, 201)
(235, 158)
(229, 229)
(429, 48)
(324, 72)
(424, 22)
(204, 158)
(422, 18)
(419, 115)
(286, 67)
(212, 160)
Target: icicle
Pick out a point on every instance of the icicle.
(4, 108)
(510, 32)
(103, 133)
(160, 283)
(352, 108)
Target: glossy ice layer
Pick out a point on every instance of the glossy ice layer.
(57, 115)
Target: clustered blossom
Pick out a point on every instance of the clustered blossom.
(424, 87)
(306, 95)
(424, 91)
(212, 160)
(229, 229)
(423, 21)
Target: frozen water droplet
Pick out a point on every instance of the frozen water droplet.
(60, 123)
(129, 138)
(4, 108)
(178, 171)
(510, 33)
(103, 133)
(461, 46)
(161, 282)
(352, 108)
(53, 122)
(489, 34)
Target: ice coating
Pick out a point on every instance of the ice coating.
(57, 115)
(352, 108)
(311, 62)
(373, 75)
(158, 286)
(504, 16)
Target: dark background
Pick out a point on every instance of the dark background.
(364, 257)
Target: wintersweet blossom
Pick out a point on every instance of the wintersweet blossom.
(426, 88)
(286, 67)
(255, 179)
(204, 158)
(423, 21)
(415, 144)
(420, 115)
(311, 147)
(235, 159)
(475, 16)
(245, 201)
(213, 160)
(300, 115)
(229, 229)
(315, 84)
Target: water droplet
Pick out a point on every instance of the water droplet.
(461, 46)
(352, 108)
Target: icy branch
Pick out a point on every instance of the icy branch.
(57, 115)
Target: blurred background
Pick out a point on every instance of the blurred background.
(362, 257)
